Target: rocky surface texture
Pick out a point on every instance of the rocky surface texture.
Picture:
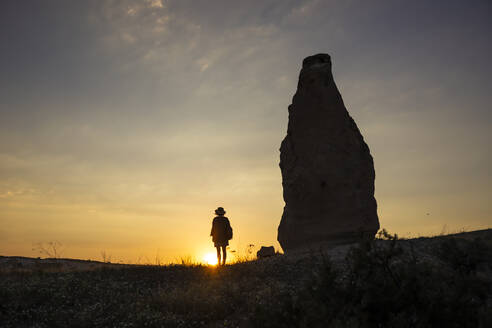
(327, 169)
(265, 251)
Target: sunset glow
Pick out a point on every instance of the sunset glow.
(125, 124)
(210, 258)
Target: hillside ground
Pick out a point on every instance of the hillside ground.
(443, 281)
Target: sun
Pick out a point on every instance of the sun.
(210, 258)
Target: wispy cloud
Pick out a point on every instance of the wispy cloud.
(120, 111)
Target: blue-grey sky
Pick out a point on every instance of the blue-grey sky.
(124, 124)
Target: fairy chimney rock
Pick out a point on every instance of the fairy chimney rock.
(327, 169)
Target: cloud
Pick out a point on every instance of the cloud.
(304, 10)
(134, 110)
(155, 3)
(127, 37)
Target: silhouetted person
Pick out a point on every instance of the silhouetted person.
(221, 234)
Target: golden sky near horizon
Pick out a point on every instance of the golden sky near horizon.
(124, 124)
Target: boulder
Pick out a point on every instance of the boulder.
(327, 169)
(265, 252)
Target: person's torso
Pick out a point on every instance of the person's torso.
(221, 225)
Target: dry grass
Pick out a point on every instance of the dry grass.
(284, 291)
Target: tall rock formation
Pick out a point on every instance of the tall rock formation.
(327, 170)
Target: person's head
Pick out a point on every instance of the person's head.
(220, 211)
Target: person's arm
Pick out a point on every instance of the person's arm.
(213, 230)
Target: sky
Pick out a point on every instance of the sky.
(124, 124)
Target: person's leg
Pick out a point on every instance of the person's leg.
(224, 254)
(218, 255)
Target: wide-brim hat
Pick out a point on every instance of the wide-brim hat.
(220, 211)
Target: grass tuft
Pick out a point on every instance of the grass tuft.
(386, 282)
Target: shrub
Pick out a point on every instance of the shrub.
(386, 284)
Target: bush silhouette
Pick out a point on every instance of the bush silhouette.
(387, 285)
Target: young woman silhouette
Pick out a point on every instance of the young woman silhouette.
(221, 234)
